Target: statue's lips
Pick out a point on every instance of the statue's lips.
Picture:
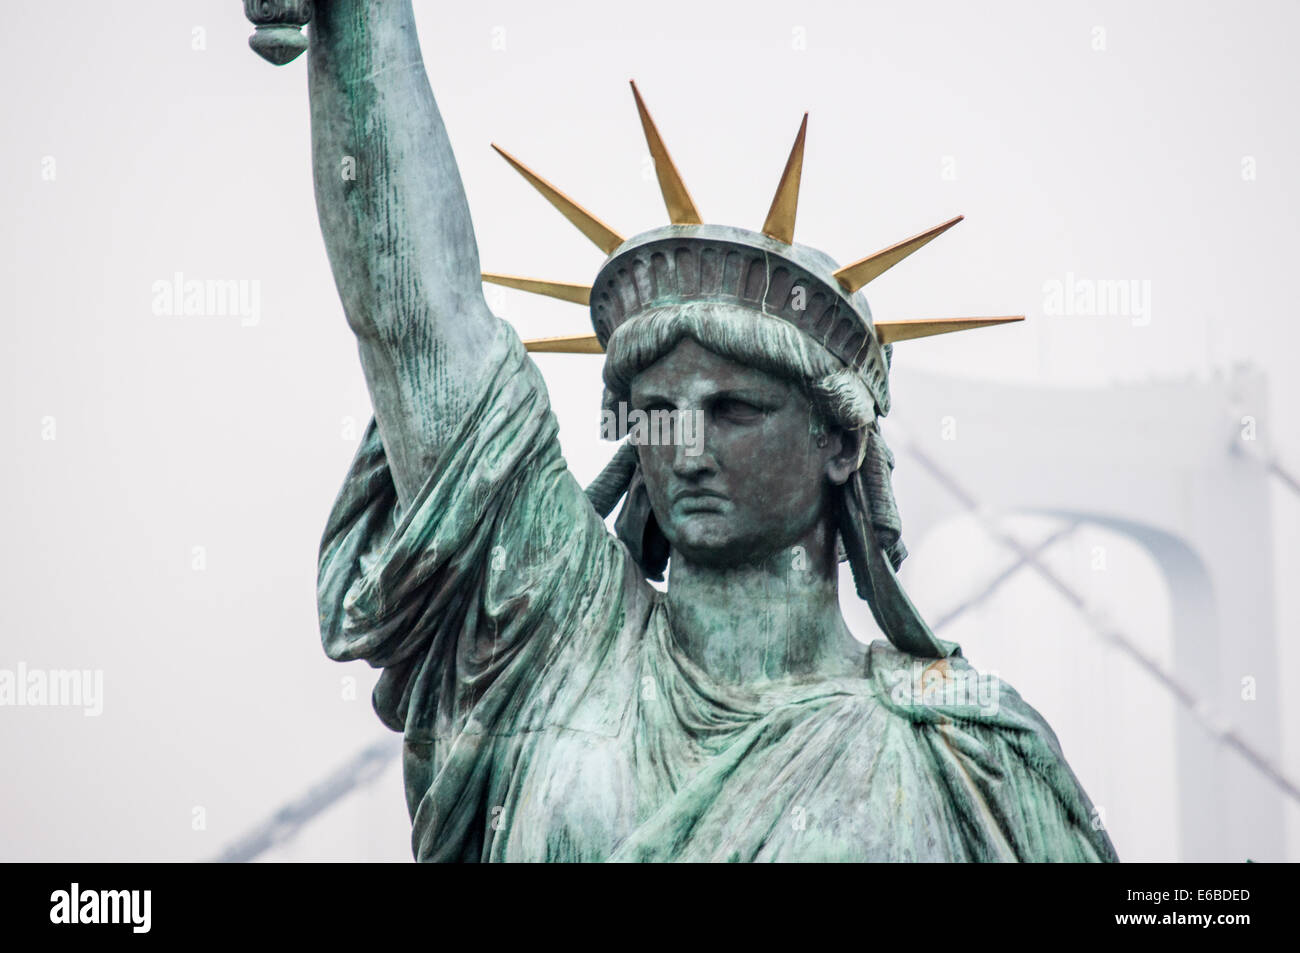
(700, 501)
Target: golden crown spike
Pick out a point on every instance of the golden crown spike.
(681, 208)
(578, 294)
(567, 344)
(785, 203)
(604, 237)
(855, 276)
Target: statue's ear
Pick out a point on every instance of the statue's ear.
(846, 457)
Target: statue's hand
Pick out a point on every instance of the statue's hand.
(279, 38)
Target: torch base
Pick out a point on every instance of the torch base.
(278, 44)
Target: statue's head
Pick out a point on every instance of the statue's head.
(692, 319)
(764, 358)
(771, 375)
(757, 437)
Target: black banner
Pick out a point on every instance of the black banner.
(138, 902)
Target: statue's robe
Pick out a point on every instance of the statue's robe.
(548, 714)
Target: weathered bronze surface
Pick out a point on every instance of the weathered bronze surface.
(555, 705)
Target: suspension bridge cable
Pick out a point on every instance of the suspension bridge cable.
(284, 825)
(994, 584)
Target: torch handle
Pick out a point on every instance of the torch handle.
(278, 38)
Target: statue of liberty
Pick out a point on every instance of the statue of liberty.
(555, 706)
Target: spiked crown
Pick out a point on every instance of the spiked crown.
(766, 272)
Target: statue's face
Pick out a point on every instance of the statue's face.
(755, 478)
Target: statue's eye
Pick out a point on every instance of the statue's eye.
(733, 408)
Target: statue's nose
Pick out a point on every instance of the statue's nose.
(691, 457)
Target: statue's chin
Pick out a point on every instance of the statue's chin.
(712, 539)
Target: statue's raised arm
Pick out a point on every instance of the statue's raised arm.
(396, 226)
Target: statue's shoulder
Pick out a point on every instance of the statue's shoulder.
(972, 719)
(950, 689)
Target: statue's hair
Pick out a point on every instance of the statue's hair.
(839, 396)
(748, 337)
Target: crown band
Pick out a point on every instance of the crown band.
(678, 264)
